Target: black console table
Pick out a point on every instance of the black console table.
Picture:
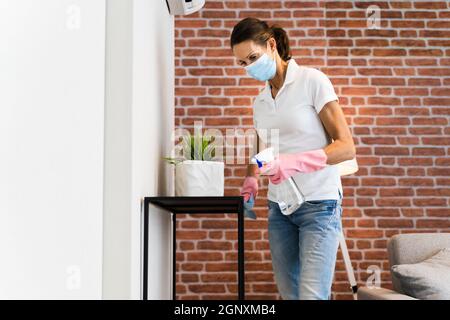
(193, 205)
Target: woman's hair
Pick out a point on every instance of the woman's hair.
(259, 31)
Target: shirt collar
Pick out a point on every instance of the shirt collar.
(290, 77)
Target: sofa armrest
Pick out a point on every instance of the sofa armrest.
(365, 293)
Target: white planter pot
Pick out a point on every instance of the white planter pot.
(199, 178)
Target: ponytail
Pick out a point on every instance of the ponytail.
(259, 31)
(281, 37)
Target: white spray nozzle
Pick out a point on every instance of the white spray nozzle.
(264, 157)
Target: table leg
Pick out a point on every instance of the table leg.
(241, 275)
(145, 246)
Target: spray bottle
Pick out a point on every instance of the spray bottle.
(289, 196)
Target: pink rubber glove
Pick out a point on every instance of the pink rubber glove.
(249, 187)
(288, 164)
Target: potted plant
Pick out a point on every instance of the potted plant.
(198, 171)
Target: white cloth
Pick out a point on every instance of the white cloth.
(294, 112)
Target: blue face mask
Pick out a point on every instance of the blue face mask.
(262, 69)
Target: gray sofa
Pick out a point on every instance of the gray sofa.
(406, 249)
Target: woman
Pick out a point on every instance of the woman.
(313, 136)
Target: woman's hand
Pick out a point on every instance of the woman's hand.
(250, 185)
(288, 164)
(249, 188)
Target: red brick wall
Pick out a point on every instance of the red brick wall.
(394, 87)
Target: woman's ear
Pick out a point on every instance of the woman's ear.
(272, 45)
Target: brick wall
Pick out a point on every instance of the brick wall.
(394, 87)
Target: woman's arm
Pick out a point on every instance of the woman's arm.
(333, 119)
(341, 149)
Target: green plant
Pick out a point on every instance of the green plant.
(198, 147)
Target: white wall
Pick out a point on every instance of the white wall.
(153, 121)
(84, 122)
(51, 144)
(138, 124)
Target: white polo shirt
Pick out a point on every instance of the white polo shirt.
(294, 112)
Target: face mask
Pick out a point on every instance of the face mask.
(262, 69)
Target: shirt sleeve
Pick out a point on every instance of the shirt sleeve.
(321, 89)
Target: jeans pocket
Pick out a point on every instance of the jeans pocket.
(272, 208)
(337, 221)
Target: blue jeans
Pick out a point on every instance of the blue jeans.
(304, 247)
